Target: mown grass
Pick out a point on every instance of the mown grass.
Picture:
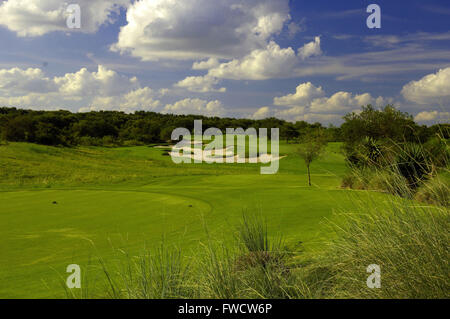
(107, 196)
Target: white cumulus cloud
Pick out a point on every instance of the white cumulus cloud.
(432, 116)
(271, 62)
(261, 64)
(304, 93)
(104, 82)
(36, 18)
(206, 65)
(309, 103)
(199, 29)
(343, 102)
(16, 81)
(83, 90)
(200, 84)
(310, 49)
(196, 106)
(432, 88)
(262, 113)
(142, 99)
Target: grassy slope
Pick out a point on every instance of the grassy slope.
(131, 196)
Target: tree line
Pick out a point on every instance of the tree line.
(113, 128)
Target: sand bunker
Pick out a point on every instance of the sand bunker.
(212, 155)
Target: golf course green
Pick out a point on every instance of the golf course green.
(61, 206)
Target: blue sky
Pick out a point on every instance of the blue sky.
(296, 60)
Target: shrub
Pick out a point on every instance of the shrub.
(89, 141)
(369, 152)
(132, 143)
(438, 151)
(398, 168)
(413, 163)
(109, 141)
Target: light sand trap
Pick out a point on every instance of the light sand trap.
(209, 155)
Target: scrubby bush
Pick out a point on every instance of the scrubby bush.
(110, 141)
(396, 168)
(365, 153)
(132, 143)
(413, 163)
(89, 141)
(438, 151)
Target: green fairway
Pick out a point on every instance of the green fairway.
(61, 206)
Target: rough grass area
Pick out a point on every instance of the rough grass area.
(408, 241)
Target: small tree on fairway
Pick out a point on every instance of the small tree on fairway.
(311, 148)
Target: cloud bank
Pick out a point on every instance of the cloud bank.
(309, 103)
(31, 18)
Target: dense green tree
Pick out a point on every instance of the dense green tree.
(388, 123)
(48, 134)
(289, 132)
(20, 128)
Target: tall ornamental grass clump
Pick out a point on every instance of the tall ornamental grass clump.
(256, 267)
(387, 180)
(162, 273)
(409, 242)
(435, 192)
